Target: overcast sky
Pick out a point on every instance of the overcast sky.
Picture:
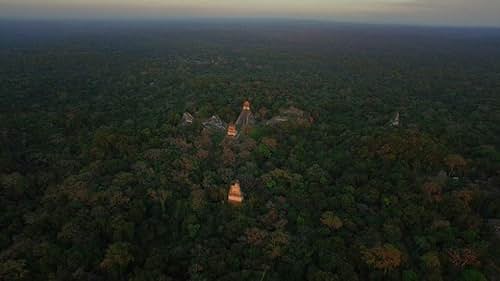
(431, 12)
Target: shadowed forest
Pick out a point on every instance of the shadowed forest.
(102, 177)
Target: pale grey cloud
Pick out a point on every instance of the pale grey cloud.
(452, 12)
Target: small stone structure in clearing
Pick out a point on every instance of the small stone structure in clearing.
(395, 120)
(235, 195)
(292, 115)
(187, 119)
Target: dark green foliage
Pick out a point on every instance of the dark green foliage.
(472, 275)
(99, 180)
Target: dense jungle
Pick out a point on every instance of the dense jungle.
(373, 151)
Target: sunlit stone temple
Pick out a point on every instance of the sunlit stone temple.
(246, 117)
(235, 195)
(246, 105)
(231, 130)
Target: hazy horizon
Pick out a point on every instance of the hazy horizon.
(412, 12)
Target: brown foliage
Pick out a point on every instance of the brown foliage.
(329, 219)
(246, 147)
(228, 156)
(160, 195)
(463, 257)
(202, 154)
(154, 154)
(205, 140)
(270, 142)
(456, 163)
(118, 199)
(274, 220)
(433, 191)
(385, 257)
(255, 236)
(262, 113)
(466, 196)
(415, 148)
(117, 255)
(277, 244)
(198, 199)
(76, 190)
(182, 144)
(271, 217)
(186, 164)
(13, 270)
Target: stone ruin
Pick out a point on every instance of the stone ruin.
(235, 195)
(395, 121)
(293, 115)
(244, 121)
(215, 123)
(246, 118)
(231, 130)
(187, 119)
(246, 105)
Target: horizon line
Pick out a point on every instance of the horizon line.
(253, 19)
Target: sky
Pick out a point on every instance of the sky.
(421, 12)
